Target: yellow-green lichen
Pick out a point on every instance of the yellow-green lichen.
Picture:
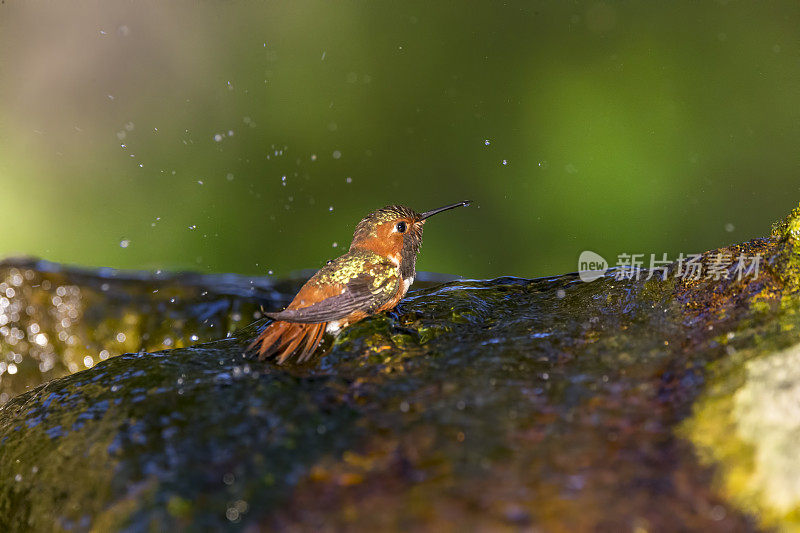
(787, 261)
(789, 226)
(748, 425)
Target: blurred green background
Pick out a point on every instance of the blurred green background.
(251, 137)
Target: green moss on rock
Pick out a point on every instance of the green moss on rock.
(495, 404)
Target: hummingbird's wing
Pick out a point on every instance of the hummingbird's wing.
(365, 292)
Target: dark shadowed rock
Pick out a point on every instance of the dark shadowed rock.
(548, 403)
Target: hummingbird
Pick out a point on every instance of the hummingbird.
(373, 276)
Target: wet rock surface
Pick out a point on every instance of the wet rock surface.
(548, 403)
(56, 320)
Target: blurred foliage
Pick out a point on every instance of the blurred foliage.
(629, 127)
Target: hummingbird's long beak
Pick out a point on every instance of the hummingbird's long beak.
(432, 212)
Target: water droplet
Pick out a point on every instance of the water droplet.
(88, 362)
(199, 182)
(269, 272)
(335, 245)
(729, 227)
(487, 142)
(12, 368)
(330, 208)
(194, 338)
(193, 226)
(229, 176)
(230, 133)
(505, 161)
(543, 164)
(124, 243)
(218, 137)
(348, 179)
(283, 181)
(718, 513)
(337, 154)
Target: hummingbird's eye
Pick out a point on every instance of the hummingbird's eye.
(401, 227)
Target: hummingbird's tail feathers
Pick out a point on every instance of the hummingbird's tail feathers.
(282, 339)
(312, 341)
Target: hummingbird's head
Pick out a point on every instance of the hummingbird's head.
(395, 232)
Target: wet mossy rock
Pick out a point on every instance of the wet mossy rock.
(550, 403)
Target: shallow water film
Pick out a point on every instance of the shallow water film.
(552, 403)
